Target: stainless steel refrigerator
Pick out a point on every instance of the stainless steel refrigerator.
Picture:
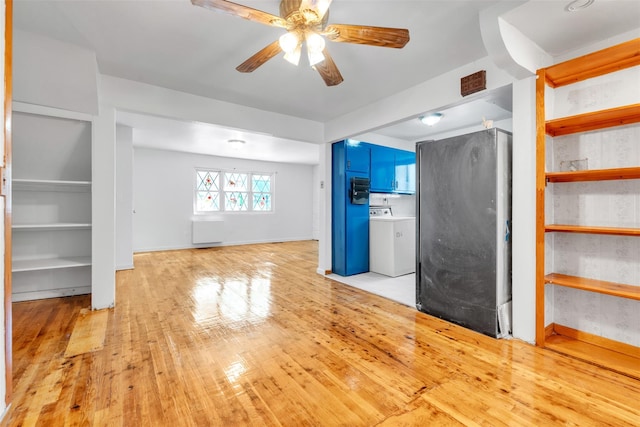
(463, 271)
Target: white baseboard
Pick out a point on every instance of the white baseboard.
(216, 245)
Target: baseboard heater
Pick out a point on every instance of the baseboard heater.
(207, 231)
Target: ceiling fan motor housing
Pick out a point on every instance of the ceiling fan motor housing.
(296, 18)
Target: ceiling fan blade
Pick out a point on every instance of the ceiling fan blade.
(320, 6)
(241, 11)
(260, 58)
(328, 70)
(362, 34)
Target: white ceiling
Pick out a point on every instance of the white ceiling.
(494, 105)
(559, 32)
(174, 44)
(204, 138)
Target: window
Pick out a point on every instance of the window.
(219, 191)
(236, 191)
(207, 191)
(261, 190)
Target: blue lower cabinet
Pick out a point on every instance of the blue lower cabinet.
(356, 237)
(350, 216)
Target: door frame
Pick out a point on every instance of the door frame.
(6, 193)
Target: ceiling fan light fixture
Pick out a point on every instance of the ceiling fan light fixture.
(293, 57)
(315, 58)
(301, 18)
(315, 42)
(315, 47)
(431, 119)
(289, 42)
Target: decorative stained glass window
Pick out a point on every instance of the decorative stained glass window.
(236, 201)
(218, 191)
(261, 189)
(236, 181)
(207, 191)
(261, 202)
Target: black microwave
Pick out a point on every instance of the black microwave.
(359, 191)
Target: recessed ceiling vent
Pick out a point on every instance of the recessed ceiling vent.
(577, 5)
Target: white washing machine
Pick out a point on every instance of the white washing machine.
(392, 243)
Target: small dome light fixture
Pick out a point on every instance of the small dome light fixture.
(577, 5)
(431, 119)
(236, 143)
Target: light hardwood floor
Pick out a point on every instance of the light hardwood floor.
(251, 335)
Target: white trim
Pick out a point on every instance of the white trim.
(216, 245)
(50, 293)
(23, 107)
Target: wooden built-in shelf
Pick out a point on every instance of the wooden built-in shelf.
(51, 227)
(21, 184)
(595, 64)
(49, 263)
(600, 286)
(595, 120)
(594, 175)
(588, 229)
(615, 355)
(601, 355)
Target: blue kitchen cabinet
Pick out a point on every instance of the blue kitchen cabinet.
(357, 156)
(405, 172)
(382, 169)
(392, 170)
(350, 218)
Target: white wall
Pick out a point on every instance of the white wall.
(506, 124)
(315, 225)
(163, 184)
(124, 197)
(324, 244)
(430, 95)
(523, 214)
(387, 141)
(55, 74)
(103, 210)
(144, 98)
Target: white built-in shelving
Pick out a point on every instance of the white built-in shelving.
(50, 185)
(52, 190)
(50, 263)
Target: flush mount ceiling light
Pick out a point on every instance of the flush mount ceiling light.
(431, 119)
(306, 24)
(576, 5)
(236, 142)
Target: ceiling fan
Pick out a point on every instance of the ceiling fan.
(306, 22)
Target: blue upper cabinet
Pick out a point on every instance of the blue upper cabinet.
(392, 170)
(357, 156)
(382, 169)
(405, 172)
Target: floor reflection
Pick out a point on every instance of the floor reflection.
(234, 302)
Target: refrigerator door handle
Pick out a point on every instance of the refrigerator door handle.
(507, 231)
